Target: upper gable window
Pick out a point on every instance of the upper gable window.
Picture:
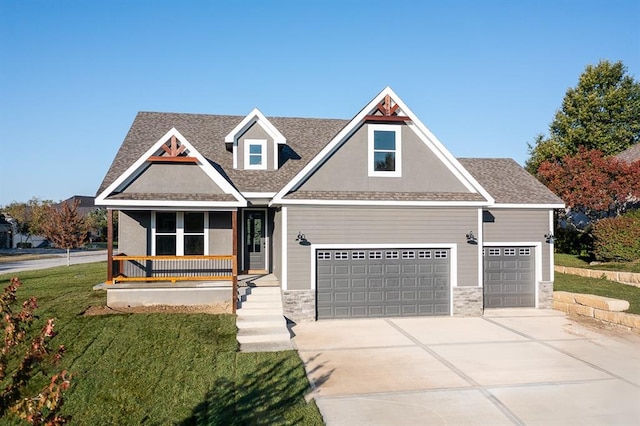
(385, 154)
(255, 154)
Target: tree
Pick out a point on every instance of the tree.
(602, 112)
(28, 216)
(23, 354)
(592, 184)
(65, 227)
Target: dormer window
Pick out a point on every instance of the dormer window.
(255, 154)
(385, 154)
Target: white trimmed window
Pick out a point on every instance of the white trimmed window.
(385, 153)
(179, 233)
(255, 154)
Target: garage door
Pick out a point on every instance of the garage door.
(357, 283)
(509, 277)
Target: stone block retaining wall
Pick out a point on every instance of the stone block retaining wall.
(604, 309)
(630, 278)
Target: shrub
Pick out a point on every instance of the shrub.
(23, 355)
(618, 238)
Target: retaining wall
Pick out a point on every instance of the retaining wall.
(630, 278)
(604, 309)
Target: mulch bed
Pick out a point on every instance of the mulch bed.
(221, 308)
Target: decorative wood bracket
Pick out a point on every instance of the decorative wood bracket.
(386, 111)
(174, 154)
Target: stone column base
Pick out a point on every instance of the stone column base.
(545, 294)
(299, 305)
(468, 301)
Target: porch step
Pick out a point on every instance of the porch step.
(260, 320)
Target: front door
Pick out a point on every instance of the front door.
(254, 240)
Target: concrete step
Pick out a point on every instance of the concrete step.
(261, 304)
(260, 296)
(261, 321)
(266, 346)
(260, 311)
(270, 335)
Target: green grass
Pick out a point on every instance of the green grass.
(599, 287)
(575, 261)
(161, 369)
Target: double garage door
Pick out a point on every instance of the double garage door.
(509, 278)
(382, 282)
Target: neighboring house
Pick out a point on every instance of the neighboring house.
(365, 217)
(86, 204)
(7, 231)
(630, 155)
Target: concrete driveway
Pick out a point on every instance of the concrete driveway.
(519, 366)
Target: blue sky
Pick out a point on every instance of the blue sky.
(484, 76)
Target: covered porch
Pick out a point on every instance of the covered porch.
(172, 279)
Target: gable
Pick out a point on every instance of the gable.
(347, 169)
(166, 178)
(171, 173)
(409, 159)
(251, 152)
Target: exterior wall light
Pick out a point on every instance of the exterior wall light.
(471, 239)
(302, 239)
(549, 237)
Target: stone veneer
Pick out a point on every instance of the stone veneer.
(299, 305)
(545, 294)
(467, 301)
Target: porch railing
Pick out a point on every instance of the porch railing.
(174, 268)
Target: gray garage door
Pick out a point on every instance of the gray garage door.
(359, 283)
(509, 277)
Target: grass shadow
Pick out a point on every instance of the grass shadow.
(269, 389)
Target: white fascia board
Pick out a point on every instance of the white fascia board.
(257, 116)
(382, 203)
(136, 168)
(527, 206)
(171, 204)
(258, 194)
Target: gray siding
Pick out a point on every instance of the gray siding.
(220, 233)
(519, 225)
(347, 169)
(173, 178)
(134, 230)
(382, 225)
(255, 132)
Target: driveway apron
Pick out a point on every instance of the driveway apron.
(512, 366)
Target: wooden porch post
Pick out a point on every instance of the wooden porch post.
(109, 246)
(234, 225)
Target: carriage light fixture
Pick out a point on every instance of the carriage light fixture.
(471, 239)
(301, 238)
(549, 237)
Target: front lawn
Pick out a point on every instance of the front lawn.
(599, 287)
(575, 261)
(161, 368)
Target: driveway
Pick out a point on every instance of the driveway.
(514, 366)
(60, 259)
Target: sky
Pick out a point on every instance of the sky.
(484, 76)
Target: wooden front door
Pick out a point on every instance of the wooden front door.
(255, 240)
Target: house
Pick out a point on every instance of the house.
(630, 155)
(365, 217)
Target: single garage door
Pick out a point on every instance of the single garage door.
(359, 283)
(509, 277)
